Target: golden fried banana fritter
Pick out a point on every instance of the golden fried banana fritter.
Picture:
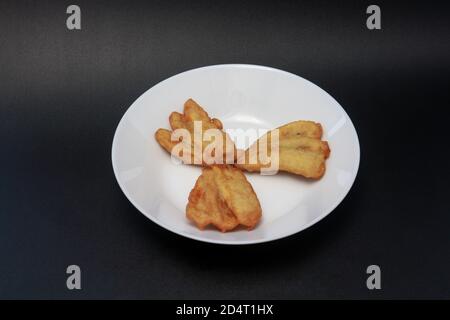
(302, 128)
(300, 150)
(223, 197)
(203, 150)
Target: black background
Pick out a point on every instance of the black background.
(63, 93)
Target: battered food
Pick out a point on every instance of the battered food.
(206, 143)
(223, 197)
(300, 150)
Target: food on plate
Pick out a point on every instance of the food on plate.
(300, 150)
(223, 197)
(196, 138)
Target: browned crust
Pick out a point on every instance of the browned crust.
(222, 197)
(194, 112)
(301, 151)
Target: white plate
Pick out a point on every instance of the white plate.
(242, 96)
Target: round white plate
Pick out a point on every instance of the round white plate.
(241, 96)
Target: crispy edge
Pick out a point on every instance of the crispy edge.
(176, 121)
(163, 137)
(194, 112)
(217, 123)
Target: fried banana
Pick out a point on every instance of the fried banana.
(301, 128)
(201, 139)
(300, 150)
(223, 197)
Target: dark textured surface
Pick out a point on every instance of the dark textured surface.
(63, 92)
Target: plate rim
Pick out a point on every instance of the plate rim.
(233, 242)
